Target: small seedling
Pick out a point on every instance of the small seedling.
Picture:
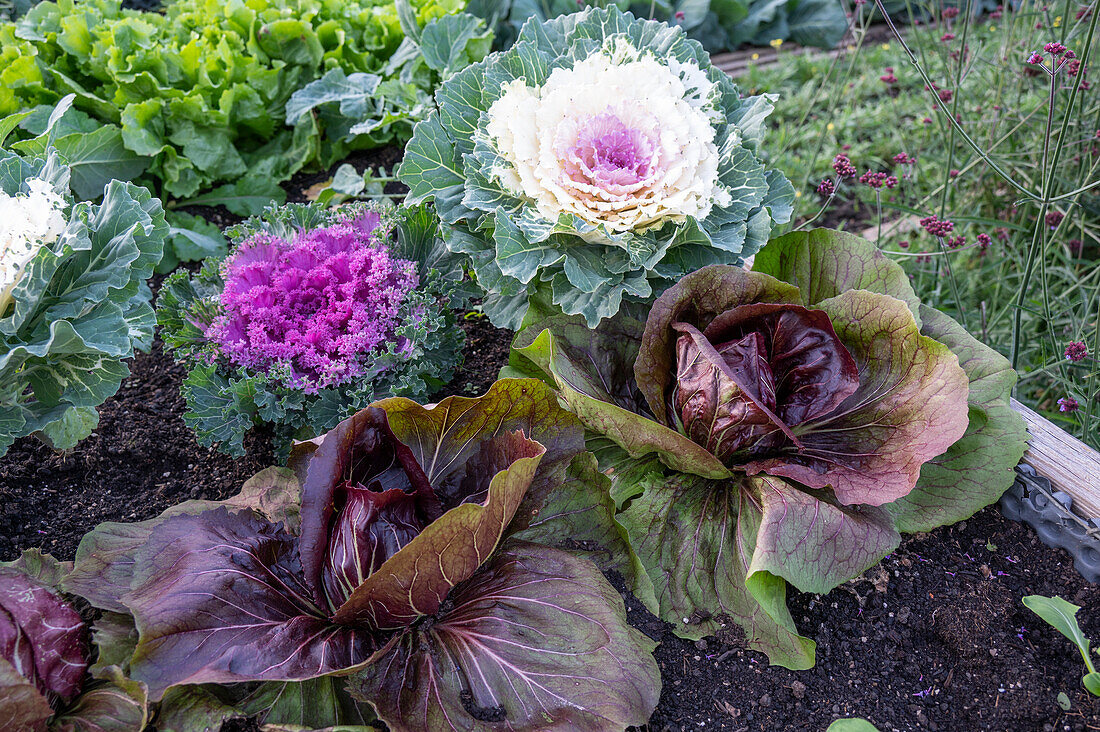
(1062, 616)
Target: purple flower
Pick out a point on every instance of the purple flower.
(1077, 351)
(1067, 404)
(984, 241)
(1054, 49)
(1054, 218)
(312, 310)
(843, 167)
(826, 188)
(1035, 59)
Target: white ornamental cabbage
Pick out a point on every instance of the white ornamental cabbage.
(28, 220)
(600, 158)
(74, 303)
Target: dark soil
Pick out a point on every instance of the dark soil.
(139, 461)
(934, 638)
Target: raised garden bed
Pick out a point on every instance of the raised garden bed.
(935, 638)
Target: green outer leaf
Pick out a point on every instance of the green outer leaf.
(578, 515)
(695, 299)
(43, 568)
(1091, 682)
(977, 469)
(430, 169)
(74, 425)
(115, 638)
(823, 263)
(112, 704)
(416, 580)
(691, 538)
(1062, 616)
(812, 542)
(910, 407)
(638, 435)
(538, 639)
(854, 724)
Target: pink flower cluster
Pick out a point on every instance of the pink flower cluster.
(315, 307)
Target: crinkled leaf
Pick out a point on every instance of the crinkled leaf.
(687, 533)
(537, 640)
(115, 638)
(808, 539)
(980, 466)
(218, 597)
(909, 408)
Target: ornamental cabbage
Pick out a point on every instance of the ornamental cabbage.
(74, 304)
(781, 425)
(44, 659)
(367, 580)
(315, 314)
(600, 158)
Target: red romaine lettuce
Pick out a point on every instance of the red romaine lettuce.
(780, 425)
(374, 556)
(44, 657)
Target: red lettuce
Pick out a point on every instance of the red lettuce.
(374, 557)
(780, 425)
(44, 658)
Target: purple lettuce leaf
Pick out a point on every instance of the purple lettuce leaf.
(573, 358)
(22, 707)
(104, 564)
(807, 538)
(687, 534)
(444, 437)
(370, 528)
(823, 263)
(753, 369)
(536, 640)
(978, 468)
(360, 451)
(415, 581)
(220, 598)
(113, 704)
(695, 300)
(909, 408)
(41, 635)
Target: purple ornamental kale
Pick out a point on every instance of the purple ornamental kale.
(316, 307)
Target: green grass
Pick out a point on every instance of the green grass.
(825, 105)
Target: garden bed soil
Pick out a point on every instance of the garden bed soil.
(935, 638)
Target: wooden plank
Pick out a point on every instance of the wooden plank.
(1069, 464)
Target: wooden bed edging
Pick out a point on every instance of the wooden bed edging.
(1069, 464)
